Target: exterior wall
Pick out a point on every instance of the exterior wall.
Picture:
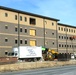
(47, 33)
(42, 27)
(64, 34)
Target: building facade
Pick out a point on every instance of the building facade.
(19, 28)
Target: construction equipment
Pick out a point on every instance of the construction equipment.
(49, 54)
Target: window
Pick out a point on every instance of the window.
(20, 29)
(62, 37)
(16, 41)
(32, 43)
(16, 29)
(53, 42)
(20, 18)
(52, 23)
(6, 53)
(62, 45)
(15, 17)
(21, 41)
(74, 31)
(25, 19)
(6, 40)
(25, 41)
(25, 30)
(52, 33)
(59, 45)
(32, 21)
(59, 28)
(69, 30)
(32, 32)
(59, 37)
(64, 29)
(6, 15)
(6, 27)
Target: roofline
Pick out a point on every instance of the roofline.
(66, 25)
(28, 13)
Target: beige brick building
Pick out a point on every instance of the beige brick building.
(20, 28)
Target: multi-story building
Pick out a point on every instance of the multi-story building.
(65, 43)
(19, 28)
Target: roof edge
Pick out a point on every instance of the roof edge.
(66, 25)
(28, 13)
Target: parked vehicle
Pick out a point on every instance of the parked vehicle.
(28, 53)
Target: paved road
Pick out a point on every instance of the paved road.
(64, 70)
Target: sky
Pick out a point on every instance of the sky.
(64, 10)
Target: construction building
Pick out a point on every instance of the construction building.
(20, 28)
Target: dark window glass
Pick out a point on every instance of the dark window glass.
(6, 27)
(16, 29)
(15, 17)
(59, 28)
(25, 19)
(20, 18)
(6, 53)
(25, 41)
(52, 33)
(59, 37)
(6, 15)
(32, 21)
(21, 42)
(16, 41)
(20, 29)
(52, 23)
(6, 40)
(25, 30)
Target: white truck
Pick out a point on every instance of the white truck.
(28, 53)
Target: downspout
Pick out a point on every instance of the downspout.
(18, 34)
(57, 36)
(44, 30)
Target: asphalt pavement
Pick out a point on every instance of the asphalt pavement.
(62, 70)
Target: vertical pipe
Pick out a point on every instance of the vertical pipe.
(18, 34)
(57, 37)
(66, 45)
(44, 30)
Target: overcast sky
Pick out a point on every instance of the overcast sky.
(65, 10)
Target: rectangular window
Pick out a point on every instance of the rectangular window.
(20, 18)
(6, 27)
(20, 29)
(32, 32)
(25, 30)
(52, 33)
(21, 41)
(6, 53)
(59, 28)
(25, 41)
(16, 41)
(6, 40)
(32, 21)
(52, 23)
(15, 17)
(32, 43)
(25, 19)
(16, 29)
(6, 15)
